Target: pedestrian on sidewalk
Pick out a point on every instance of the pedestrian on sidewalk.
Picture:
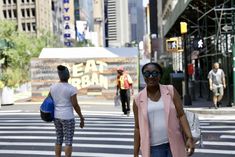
(160, 122)
(65, 100)
(124, 88)
(217, 84)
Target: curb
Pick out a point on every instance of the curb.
(219, 111)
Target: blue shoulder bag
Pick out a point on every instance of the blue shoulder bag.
(47, 109)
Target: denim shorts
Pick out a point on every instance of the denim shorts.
(162, 150)
(64, 131)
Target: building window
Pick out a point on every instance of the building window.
(9, 13)
(28, 12)
(33, 0)
(14, 13)
(5, 14)
(4, 1)
(22, 13)
(34, 26)
(33, 12)
(22, 1)
(14, 1)
(53, 6)
(23, 26)
(28, 27)
(27, 1)
(9, 1)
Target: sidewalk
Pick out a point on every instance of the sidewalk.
(200, 106)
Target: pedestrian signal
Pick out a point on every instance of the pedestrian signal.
(173, 44)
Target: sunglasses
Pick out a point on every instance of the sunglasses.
(153, 74)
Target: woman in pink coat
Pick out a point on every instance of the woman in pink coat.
(160, 119)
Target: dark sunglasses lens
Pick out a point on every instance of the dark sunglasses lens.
(147, 74)
(155, 74)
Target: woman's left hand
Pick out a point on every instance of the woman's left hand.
(190, 146)
(81, 122)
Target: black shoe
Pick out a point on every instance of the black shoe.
(219, 104)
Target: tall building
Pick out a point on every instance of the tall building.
(31, 16)
(99, 21)
(136, 12)
(64, 21)
(117, 27)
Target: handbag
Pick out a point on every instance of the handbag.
(194, 124)
(47, 109)
(117, 101)
(193, 121)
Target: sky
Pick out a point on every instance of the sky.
(145, 2)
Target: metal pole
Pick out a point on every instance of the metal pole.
(227, 66)
(233, 48)
(187, 97)
(153, 25)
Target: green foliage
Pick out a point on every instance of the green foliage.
(84, 43)
(16, 55)
(165, 79)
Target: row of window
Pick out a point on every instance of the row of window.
(29, 27)
(29, 12)
(14, 1)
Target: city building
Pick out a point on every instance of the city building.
(117, 25)
(31, 16)
(64, 21)
(136, 13)
(209, 38)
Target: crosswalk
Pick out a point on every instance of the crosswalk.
(218, 137)
(104, 135)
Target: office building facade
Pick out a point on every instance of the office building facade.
(31, 16)
(117, 23)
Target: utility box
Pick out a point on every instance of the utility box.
(176, 80)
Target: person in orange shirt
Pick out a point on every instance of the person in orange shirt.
(124, 85)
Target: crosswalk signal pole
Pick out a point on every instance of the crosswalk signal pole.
(233, 49)
(187, 97)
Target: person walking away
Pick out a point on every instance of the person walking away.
(124, 85)
(65, 100)
(217, 84)
(160, 121)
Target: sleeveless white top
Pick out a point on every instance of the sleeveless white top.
(157, 122)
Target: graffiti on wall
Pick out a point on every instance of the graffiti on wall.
(89, 74)
(95, 78)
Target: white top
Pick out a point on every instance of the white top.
(157, 122)
(61, 94)
(216, 77)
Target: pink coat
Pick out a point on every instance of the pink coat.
(174, 134)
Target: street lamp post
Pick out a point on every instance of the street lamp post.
(187, 97)
(233, 49)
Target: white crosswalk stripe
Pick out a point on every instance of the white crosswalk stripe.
(218, 137)
(104, 135)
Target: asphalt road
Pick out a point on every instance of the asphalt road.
(107, 133)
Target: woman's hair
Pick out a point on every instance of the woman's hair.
(63, 73)
(154, 64)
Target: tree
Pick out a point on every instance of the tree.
(16, 56)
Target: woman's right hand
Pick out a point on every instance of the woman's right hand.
(190, 146)
(82, 122)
